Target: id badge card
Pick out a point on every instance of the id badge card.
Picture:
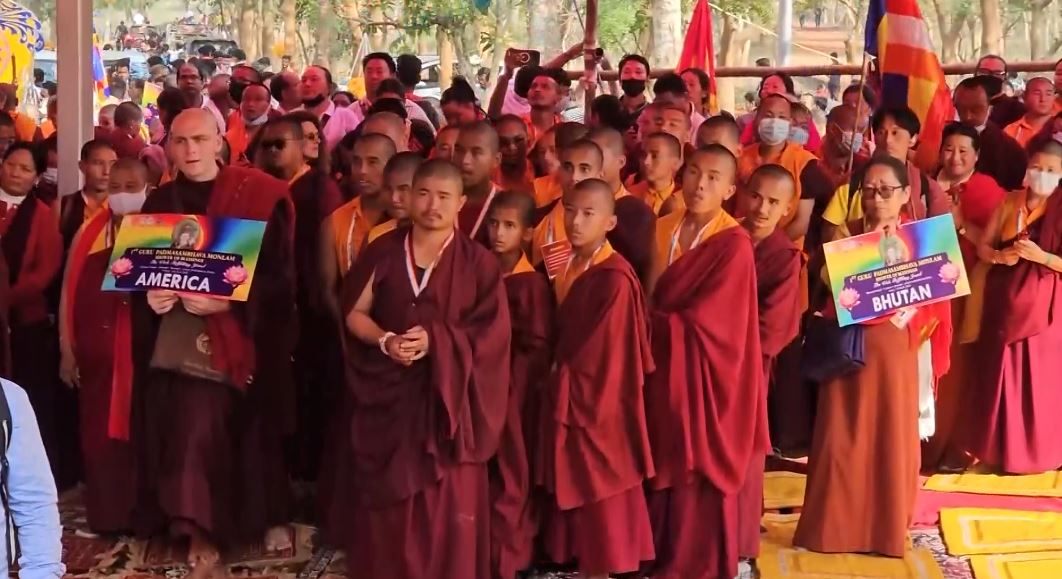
(555, 256)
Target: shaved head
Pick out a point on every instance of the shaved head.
(609, 139)
(195, 117)
(388, 124)
(194, 144)
(843, 116)
(599, 191)
(480, 130)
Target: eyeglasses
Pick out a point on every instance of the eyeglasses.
(276, 144)
(885, 192)
(1002, 74)
(312, 137)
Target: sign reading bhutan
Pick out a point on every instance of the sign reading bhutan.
(874, 274)
(194, 254)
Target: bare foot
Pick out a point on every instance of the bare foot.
(203, 557)
(278, 539)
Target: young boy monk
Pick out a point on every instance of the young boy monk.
(594, 452)
(581, 160)
(478, 156)
(445, 141)
(720, 130)
(550, 145)
(764, 202)
(514, 516)
(398, 184)
(428, 336)
(706, 403)
(661, 161)
(635, 221)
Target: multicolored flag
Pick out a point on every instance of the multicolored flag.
(99, 73)
(697, 49)
(911, 75)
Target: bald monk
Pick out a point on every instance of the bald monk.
(764, 202)
(773, 119)
(514, 514)
(635, 222)
(398, 186)
(593, 455)
(662, 161)
(345, 233)
(428, 364)
(445, 142)
(390, 125)
(478, 157)
(95, 340)
(720, 130)
(210, 441)
(706, 403)
(515, 172)
(581, 160)
(550, 146)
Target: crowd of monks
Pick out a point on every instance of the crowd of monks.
(535, 341)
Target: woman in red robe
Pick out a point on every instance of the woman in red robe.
(1015, 393)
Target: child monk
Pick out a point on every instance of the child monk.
(706, 402)
(594, 452)
(661, 161)
(514, 516)
(547, 188)
(398, 184)
(581, 160)
(764, 202)
(428, 365)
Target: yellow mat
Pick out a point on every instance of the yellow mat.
(1017, 565)
(783, 490)
(1048, 484)
(780, 560)
(995, 531)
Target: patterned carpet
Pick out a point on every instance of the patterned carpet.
(130, 558)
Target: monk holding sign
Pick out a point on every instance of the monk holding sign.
(214, 376)
(428, 362)
(706, 402)
(594, 452)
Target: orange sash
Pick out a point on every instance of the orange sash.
(563, 282)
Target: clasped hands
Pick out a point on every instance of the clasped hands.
(162, 301)
(408, 347)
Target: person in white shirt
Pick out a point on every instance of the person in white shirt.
(336, 122)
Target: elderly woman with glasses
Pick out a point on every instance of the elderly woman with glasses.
(864, 460)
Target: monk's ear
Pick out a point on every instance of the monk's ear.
(730, 191)
(528, 235)
(461, 200)
(612, 221)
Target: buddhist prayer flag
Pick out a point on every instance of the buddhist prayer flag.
(697, 49)
(896, 34)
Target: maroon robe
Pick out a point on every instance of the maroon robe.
(466, 220)
(413, 480)
(634, 232)
(594, 452)
(514, 516)
(210, 454)
(1016, 395)
(318, 359)
(110, 482)
(706, 404)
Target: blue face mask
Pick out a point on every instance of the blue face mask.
(773, 131)
(851, 141)
(799, 136)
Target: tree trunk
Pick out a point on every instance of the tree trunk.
(324, 35)
(377, 35)
(269, 26)
(544, 27)
(991, 28)
(727, 48)
(249, 12)
(287, 14)
(1038, 29)
(667, 32)
(446, 58)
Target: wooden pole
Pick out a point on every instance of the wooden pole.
(590, 57)
(842, 69)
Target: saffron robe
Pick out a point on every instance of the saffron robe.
(593, 454)
(706, 404)
(210, 454)
(1015, 393)
(414, 474)
(514, 512)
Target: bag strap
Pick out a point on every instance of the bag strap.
(10, 536)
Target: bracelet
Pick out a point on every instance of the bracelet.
(383, 342)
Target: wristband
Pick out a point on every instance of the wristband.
(383, 342)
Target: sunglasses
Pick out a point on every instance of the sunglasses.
(885, 192)
(276, 144)
(312, 137)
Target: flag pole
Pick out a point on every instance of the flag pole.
(865, 70)
(590, 56)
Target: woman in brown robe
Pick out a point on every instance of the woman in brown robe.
(863, 466)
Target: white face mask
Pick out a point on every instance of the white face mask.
(1042, 183)
(259, 121)
(773, 131)
(126, 203)
(51, 175)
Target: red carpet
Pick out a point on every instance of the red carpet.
(929, 503)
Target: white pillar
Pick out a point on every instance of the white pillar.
(73, 31)
(785, 31)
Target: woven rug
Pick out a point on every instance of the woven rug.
(1048, 484)
(997, 531)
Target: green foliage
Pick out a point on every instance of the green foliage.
(619, 22)
(423, 15)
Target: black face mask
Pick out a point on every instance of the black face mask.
(313, 101)
(632, 87)
(236, 91)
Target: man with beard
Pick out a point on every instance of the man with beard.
(336, 122)
(317, 353)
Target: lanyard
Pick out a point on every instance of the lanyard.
(589, 262)
(350, 240)
(483, 212)
(696, 240)
(411, 264)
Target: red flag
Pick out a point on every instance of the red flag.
(697, 49)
